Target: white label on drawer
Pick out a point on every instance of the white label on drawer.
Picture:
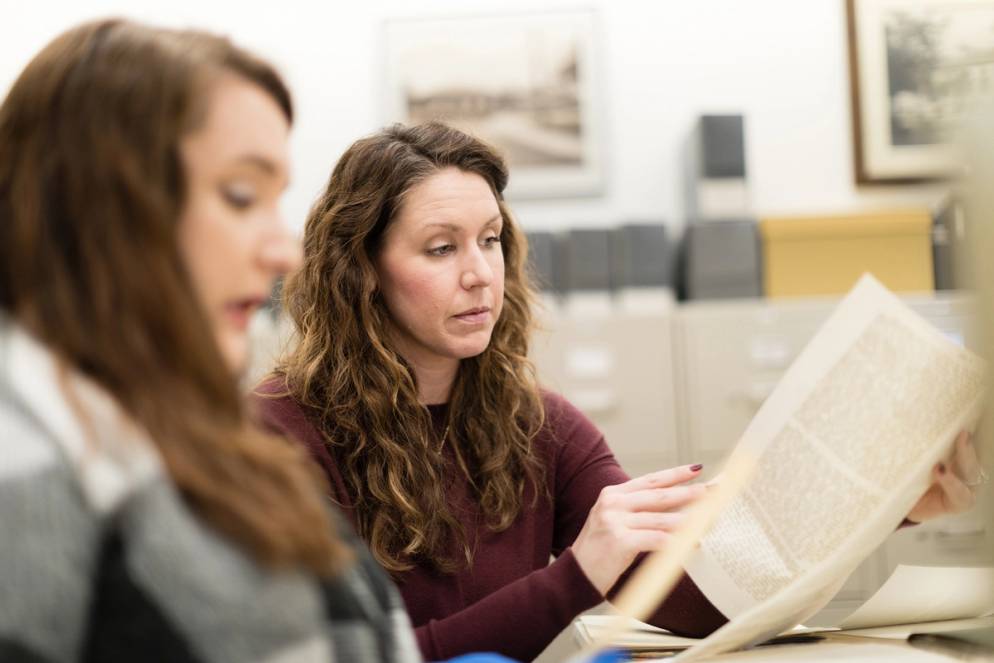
(589, 361)
(769, 352)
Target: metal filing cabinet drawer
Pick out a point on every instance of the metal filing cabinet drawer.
(617, 367)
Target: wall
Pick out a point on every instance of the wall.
(781, 62)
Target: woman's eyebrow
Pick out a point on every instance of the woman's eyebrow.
(454, 227)
(447, 226)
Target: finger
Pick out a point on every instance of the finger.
(663, 478)
(662, 499)
(956, 495)
(646, 540)
(965, 461)
(666, 522)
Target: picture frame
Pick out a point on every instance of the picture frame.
(915, 67)
(526, 83)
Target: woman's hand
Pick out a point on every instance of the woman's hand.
(630, 518)
(953, 484)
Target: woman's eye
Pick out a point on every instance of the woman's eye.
(492, 240)
(238, 196)
(443, 250)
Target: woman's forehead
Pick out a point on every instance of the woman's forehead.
(448, 198)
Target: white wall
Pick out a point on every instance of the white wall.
(781, 62)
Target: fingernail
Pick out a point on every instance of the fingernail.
(696, 468)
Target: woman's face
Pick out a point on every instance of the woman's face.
(231, 233)
(441, 269)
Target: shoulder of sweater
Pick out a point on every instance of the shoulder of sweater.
(557, 407)
(277, 411)
(560, 412)
(35, 459)
(61, 424)
(271, 399)
(272, 388)
(565, 424)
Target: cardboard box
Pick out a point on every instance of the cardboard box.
(825, 255)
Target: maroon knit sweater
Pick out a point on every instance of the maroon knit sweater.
(511, 600)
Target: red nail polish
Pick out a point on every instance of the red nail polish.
(696, 468)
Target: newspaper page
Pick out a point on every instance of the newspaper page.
(844, 446)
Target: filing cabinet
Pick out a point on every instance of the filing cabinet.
(616, 366)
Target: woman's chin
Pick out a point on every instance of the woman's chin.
(235, 352)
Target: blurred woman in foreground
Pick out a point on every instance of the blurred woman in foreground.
(144, 518)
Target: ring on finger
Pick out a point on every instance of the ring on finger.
(981, 479)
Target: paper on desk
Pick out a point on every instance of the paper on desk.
(639, 636)
(904, 631)
(927, 594)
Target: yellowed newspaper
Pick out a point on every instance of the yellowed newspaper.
(844, 448)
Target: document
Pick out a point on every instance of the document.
(915, 594)
(844, 447)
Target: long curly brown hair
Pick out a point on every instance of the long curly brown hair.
(363, 395)
(92, 187)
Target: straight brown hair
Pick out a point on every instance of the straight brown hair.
(91, 190)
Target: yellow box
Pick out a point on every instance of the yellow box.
(825, 255)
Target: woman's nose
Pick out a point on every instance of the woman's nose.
(281, 251)
(477, 272)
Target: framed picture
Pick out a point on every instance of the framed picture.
(525, 83)
(916, 67)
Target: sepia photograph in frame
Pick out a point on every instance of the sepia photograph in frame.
(526, 83)
(916, 68)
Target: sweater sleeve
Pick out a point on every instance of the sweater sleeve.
(280, 414)
(584, 467)
(519, 620)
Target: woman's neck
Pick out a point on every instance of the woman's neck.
(435, 380)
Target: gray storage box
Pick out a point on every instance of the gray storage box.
(542, 261)
(715, 175)
(642, 256)
(722, 146)
(722, 260)
(587, 260)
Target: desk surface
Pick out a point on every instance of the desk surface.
(886, 644)
(854, 649)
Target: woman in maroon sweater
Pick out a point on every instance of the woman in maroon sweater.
(409, 383)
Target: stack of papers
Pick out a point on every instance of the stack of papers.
(915, 599)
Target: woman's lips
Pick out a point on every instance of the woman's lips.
(239, 313)
(475, 316)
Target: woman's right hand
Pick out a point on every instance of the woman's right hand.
(633, 517)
